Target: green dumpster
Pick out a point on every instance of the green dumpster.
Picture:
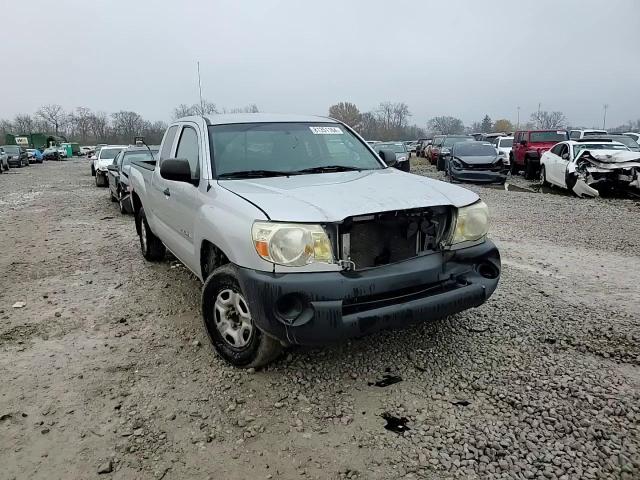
(69, 150)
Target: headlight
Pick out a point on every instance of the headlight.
(291, 244)
(401, 158)
(472, 223)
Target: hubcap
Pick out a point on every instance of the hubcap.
(232, 318)
(143, 236)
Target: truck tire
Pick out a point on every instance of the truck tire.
(529, 169)
(543, 176)
(229, 324)
(514, 168)
(151, 246)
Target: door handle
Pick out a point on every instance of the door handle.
(167, 192)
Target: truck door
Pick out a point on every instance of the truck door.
(157, 214)
(181, 208)
(519, 149)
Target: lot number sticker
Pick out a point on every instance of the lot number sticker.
(326, 130)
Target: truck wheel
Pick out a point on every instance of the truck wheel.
(529, 170)
(230, 325)
(123, 210)
(151, 246)
(514, 168)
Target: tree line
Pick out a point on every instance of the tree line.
(87, 126)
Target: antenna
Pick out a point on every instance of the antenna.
(200, 88)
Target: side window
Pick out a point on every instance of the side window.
(574, 134)
(189, 149)
(556, 149)
(564, 151)
(168, 143)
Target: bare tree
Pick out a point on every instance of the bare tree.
(445, 125)
(54, 115)
(23, 123)
(127, 124)
(400, 116)
(182, 110)
(548, 120)
(99, 124)
(251, 108)
(346, 112)
(81, 120)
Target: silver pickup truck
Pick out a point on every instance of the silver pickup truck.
(302, 234)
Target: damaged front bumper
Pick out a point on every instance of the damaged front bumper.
(480, 176)
(326, 307)
(593, 172)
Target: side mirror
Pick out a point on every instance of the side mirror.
(523, 143)
(388, 157)
(565, 156)
(177, 170)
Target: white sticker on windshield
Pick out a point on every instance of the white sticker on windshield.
(560, 132)
(326, 130)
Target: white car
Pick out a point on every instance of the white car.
(504, 146)
(588, 132)
(582, 165)
(102, 161)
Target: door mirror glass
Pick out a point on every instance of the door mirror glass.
(177, 169)
(565, 156)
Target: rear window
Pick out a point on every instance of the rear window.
(109, 153)
(396, 147)
(594, 133)
(140, 155)
(554, 136)
(506, 142)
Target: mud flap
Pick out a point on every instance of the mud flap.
(581, 188)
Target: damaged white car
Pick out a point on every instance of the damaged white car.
(585, 167)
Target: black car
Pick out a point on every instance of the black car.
(118, 174)
(445, 148)
(16, 156)
(475, 162)
(400, 149)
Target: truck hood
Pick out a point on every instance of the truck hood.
(332, 197)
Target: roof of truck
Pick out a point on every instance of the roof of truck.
(227, 118)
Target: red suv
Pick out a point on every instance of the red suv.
(528, 147)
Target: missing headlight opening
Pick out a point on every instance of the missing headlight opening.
(384, 238)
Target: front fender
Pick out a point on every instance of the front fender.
(225, 220)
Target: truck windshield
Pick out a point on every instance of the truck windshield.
(287, 148)
(555, 136)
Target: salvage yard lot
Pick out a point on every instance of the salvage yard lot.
(107, 366)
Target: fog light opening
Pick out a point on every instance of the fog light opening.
(289, 307)
(488, 270)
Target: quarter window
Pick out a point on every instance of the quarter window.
(188, 149)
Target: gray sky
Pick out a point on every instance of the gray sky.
(460, 58)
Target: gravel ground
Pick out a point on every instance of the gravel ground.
(107, 371)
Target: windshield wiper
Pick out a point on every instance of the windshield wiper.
(256, 174)
(329, 168)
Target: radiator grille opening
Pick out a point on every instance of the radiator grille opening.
(384, 238)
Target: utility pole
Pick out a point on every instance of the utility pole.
(518, 122)
(604, 119)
